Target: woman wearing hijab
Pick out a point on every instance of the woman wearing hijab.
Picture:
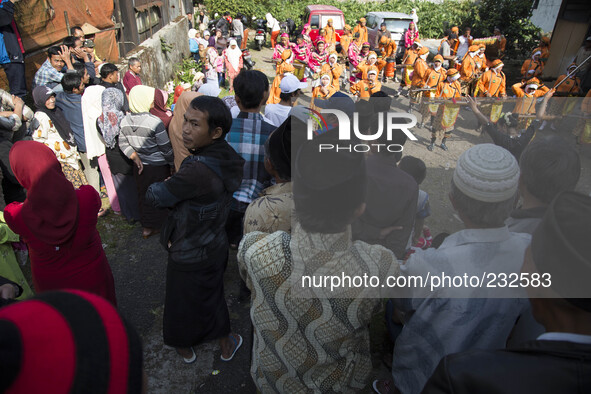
(51, 128)
(159, 109)
(273, 26)
(58, 223)
(145, 134)
(233, 59)
(411, 35)
(121, 166)
(95, 148)
(175, 130)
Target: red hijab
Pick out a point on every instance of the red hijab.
(159, 109)
(51, 208)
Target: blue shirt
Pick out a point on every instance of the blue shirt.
(71, 106)
(247, 136)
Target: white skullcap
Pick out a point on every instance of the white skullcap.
(487, 173)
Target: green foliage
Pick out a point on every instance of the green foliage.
(185, 73)
(511, 16)
(164, 46)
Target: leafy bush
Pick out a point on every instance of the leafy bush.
(511, 16)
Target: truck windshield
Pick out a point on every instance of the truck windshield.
(337, 21)
(397, 25)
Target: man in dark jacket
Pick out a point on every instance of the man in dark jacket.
(199, 195)
(12, 51)
(558, 361)
(223, 24)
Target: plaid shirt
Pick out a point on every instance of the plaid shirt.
(247, 136)
(47, 76)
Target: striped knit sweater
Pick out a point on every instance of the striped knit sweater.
(145, 134)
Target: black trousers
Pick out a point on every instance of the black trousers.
(12, 190)
(15, 73)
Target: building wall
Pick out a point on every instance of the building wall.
(159, 67)
(544, 16)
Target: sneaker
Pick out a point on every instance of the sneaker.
(431, 147)
(396, 79)
(420, 125)
(443, 146)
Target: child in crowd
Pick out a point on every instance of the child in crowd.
(421, 235)
(366, 87)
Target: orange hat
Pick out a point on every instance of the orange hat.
(473, 48)
(423, 51)
(496, 63)
(347, 27)
(372, 54)
(286, 54)
(545, 40)
(372, 70)
(451, 72)
(455, 29)
(329, 20)
(438, 58)
(532, 81)
(361, 19)
(481, 46)
(384, 40)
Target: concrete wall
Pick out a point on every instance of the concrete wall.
(544, 16)
(159, 67)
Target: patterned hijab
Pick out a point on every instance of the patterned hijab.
(110, 119)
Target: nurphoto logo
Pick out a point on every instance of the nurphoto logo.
(387, 123)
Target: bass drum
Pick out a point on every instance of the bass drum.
(390, 69)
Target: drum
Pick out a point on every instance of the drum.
(390, 67)
(299, 69)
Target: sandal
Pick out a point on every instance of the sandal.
(236, 347)
(383, 386)
(191, 359)
(102, 212)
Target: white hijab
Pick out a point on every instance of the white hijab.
(92, 108)
(272, 22)
(234, 54)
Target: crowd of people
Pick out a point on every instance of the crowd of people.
(214, 175)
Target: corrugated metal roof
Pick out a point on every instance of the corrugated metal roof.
(320, 7)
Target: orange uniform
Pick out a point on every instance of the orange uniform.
(527, 102)
(335, 71)
(419, 73)
(468, 68)
(275, 90)
(434, 78)
(345, 41)
(331, 35)
(545, 49)
(531, 69)
(364, 88)
(387, 47)
(363, 35)
(492, 83)
(571, 86)
(449, 90)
